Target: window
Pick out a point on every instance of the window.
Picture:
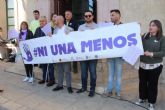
(10, 14)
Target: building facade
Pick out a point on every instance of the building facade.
(13, 12)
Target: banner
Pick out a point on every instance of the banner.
(100, 43)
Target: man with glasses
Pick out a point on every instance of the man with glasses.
(88, 64)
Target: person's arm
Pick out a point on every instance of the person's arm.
(161, 53)
(68, 30)
(31, 34)
(75, 26)
(36, 33)
(80, 28)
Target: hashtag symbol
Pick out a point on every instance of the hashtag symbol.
(35, 52)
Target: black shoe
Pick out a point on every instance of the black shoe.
(91, 94)
(81, 90)
(1, 91)
(41, 82)
(58, 88)
(50, 83)
(70, 90)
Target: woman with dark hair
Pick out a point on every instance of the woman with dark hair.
(53, 20)
(26, 34)
(151, 63)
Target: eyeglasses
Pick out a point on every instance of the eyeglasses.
(88, 16)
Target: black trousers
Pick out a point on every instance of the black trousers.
(75, 68)
(29, 70)
(148, 84)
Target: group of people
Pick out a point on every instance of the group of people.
(151, 63)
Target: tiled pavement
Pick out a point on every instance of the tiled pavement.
(24, 96)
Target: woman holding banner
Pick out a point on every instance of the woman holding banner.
(151, 63)
(26, 34)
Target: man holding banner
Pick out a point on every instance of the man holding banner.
(63, 67)
(84, 46)
(115, 64)
(46, 68)
(69, 21)
(89, 64)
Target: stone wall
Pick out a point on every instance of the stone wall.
(3, 19)
(24, 10)
(133, 11)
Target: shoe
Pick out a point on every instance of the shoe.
(91, 94)
(58, 88)
(140, 101)
(26, 79)
(41, 82)
(70, 90)
(50, 83)
(151, 107)
(1, 91)
(31, 80)
(118, 94)
(108, 94)
(81, 90)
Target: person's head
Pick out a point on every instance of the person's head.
(36, 14)
(115, 15)
(60, 21)
(1, 32)
(24, 25)
(53, 17)
(43, 21)
(88, 16)
(68, 15)
(155, 28)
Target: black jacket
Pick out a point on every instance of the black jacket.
(73, 24)
(40, 33)
(28, 36)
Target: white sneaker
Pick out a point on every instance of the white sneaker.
(140, 102)
(26, 79)
(31, 80)
(151, 107)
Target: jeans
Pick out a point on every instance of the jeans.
(91, 66)
(50, 76)
(115, 66)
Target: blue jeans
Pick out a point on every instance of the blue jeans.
(50, 72)
(91, 66)
(115, 66)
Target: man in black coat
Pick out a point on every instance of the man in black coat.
(70, 22)
(40, 33)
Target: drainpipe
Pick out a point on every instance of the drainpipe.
(7, 18)
(17, 14)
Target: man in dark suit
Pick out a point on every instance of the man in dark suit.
(70, 22)
(40, 33)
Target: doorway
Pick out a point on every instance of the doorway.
(78, 7)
